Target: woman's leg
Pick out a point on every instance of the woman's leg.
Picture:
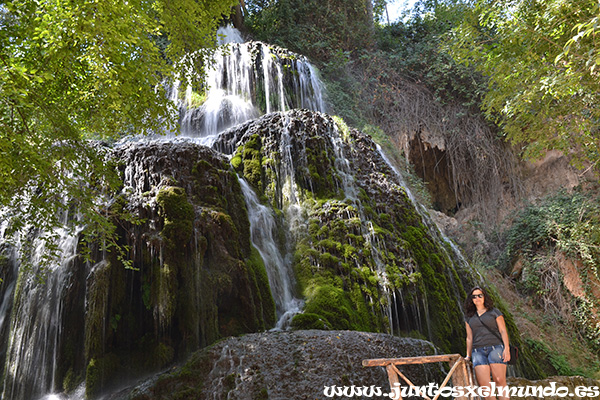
(482, 372)
(499, 376)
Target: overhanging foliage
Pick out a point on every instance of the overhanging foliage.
(71, 71)
(542, 60)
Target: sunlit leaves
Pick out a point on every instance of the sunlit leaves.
(74, 70)
(540, 57)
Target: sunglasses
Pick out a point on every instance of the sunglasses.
(476, 296)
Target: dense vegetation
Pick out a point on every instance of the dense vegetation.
(73, 71)
(542, 59)
(559, 226)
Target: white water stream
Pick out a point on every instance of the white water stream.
(263, 233)
(245, 81)
(36, 321)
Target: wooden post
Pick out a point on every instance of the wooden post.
(461, 376)
(393, 378)
(459, 371)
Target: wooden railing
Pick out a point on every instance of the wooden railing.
(460, 371)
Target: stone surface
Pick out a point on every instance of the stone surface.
(287, 365)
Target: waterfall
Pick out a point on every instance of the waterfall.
(38, 319)
(228, 34)
(245, 81)
(453, 252)
(263, 231)
(351, 192)
(188, 286)
(8, 275)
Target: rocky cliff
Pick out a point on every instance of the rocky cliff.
(363, 255)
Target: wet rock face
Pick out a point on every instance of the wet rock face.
(365, 260)
(300, 365)
(192, 280)
(196, 229)
(287, 365)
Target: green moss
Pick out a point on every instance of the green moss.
(330, 244)
(254, 308)
(185, 382)
(70, 381)
(178, 214)
(334, 307)
(98, 372)
(204, 169)
(320, 175)
(263, 297)
(229, 382)
(247, 160)
(433, 264)
(342, 127)
(416, 334)
(151, 354)
(98, 293)
(164, 290)
(310, 321)
(262, 395)
(163, 355)
(236, 162)
(328, 260)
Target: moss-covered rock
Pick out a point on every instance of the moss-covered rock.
(99, 372)
(178, 216)
(363, 256)
(248, 161)
(195, 276)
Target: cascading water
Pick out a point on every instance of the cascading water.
(262, 233)
(245, 81)
(37, 320)
(303, 163)
(351, 191)
(194, 285)
(453, 252)
(8, 276)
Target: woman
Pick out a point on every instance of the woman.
(487, 340)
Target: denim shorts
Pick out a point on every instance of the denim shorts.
(488, 355)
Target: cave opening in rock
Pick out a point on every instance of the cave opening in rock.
(433, 166)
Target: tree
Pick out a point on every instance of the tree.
(71, 71)
(317, 29)
(542, 59)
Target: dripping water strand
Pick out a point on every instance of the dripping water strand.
(371, 238)
(434, 231)
(263, 231)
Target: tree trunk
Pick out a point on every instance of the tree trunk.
(238, 16)
(369, 21)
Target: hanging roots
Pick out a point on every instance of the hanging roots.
(483, 168)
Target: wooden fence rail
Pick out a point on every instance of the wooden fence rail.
(460, 371)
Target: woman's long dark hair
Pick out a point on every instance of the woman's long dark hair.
(470, 308)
